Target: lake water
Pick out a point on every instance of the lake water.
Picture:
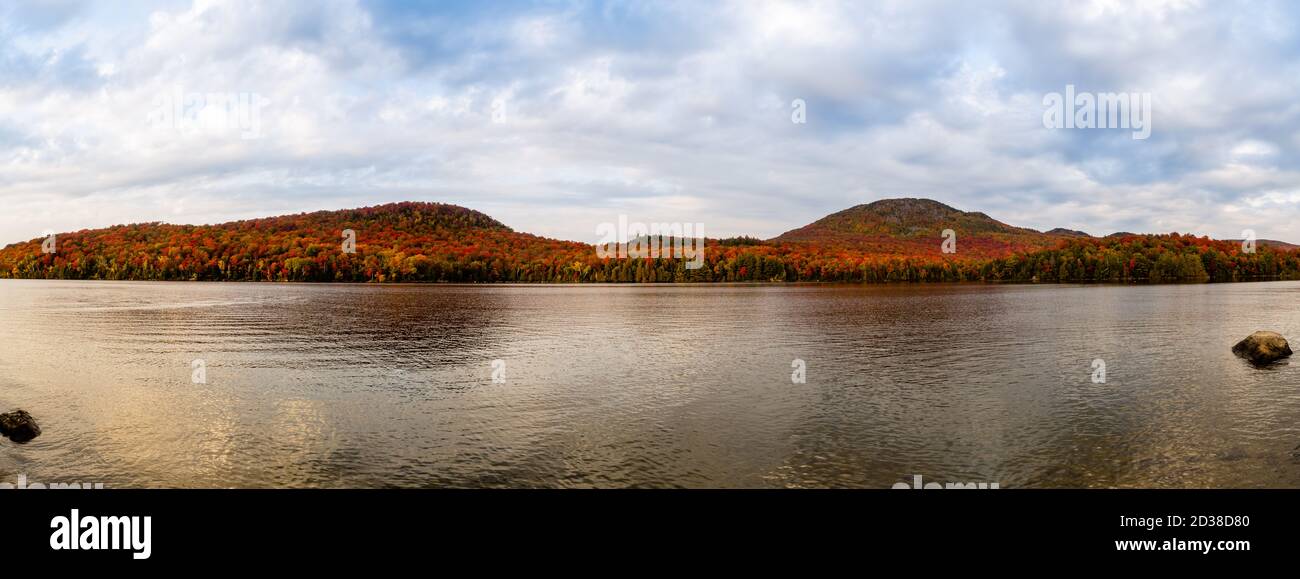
(647, 385)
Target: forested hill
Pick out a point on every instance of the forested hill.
(915, 227)
(890, 240)
(393, 242)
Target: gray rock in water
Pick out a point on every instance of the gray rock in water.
(1262, 347)
(19, 426)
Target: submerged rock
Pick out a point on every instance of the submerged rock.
(19, 426)
(1262, 347)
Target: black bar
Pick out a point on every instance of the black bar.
(318, 527)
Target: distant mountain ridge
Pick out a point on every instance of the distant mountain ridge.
(885, 240)
(1067, 232)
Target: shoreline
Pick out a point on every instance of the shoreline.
(676, 283)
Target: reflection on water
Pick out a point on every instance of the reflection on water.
(379, 386)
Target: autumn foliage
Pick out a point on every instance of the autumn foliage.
(431, 242)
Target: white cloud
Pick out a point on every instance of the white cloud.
(674, 111)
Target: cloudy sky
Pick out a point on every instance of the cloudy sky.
(556, 116)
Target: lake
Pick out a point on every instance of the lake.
(278, 385)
